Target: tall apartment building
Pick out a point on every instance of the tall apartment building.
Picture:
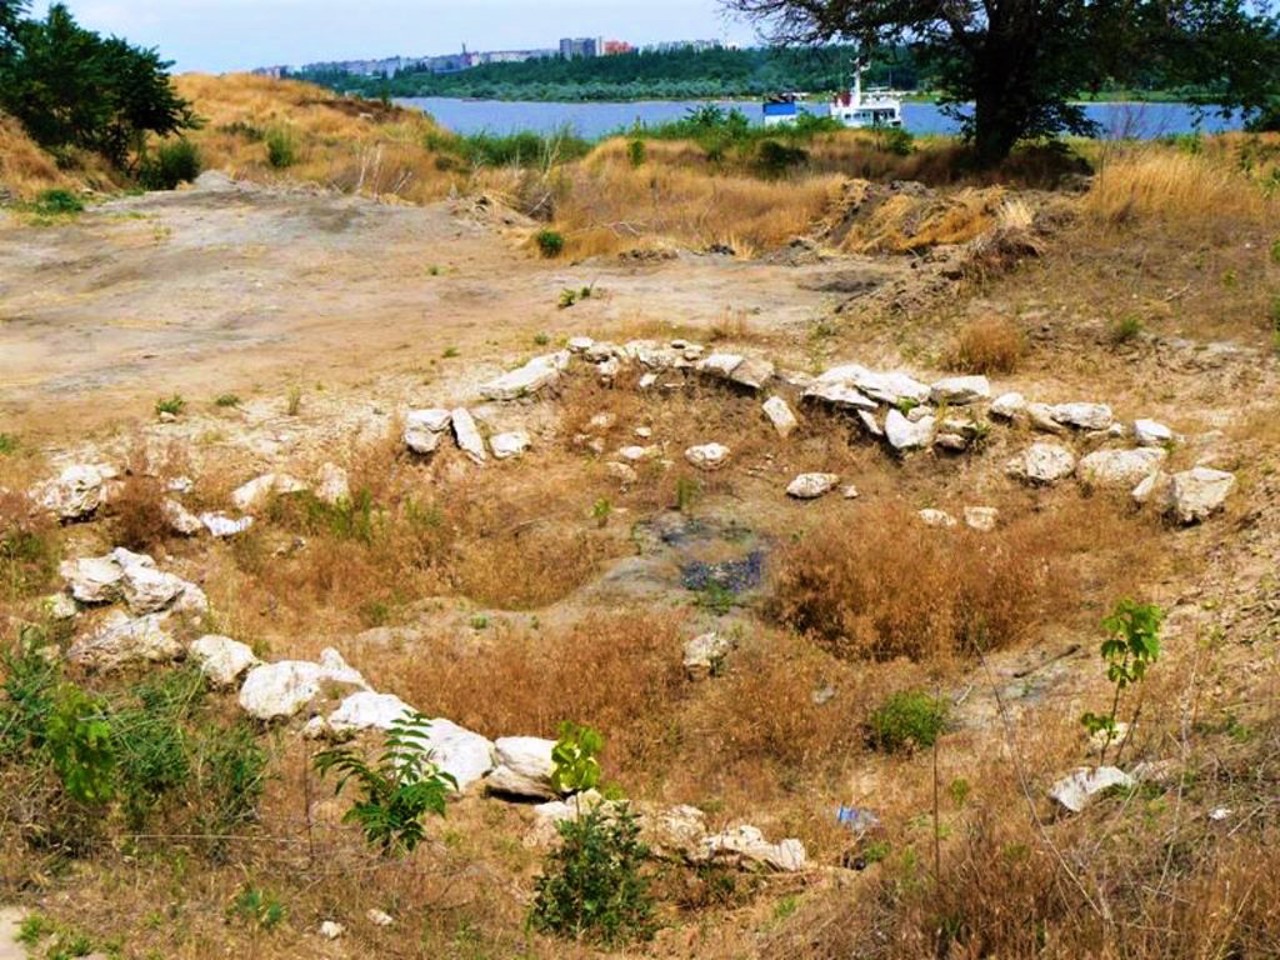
(581, 47)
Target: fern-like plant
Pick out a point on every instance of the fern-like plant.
(398, 791)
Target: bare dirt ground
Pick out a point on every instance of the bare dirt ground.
(209, 292)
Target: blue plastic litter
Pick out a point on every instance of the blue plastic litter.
(857, 819)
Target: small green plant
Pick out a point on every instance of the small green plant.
(550, 242)
(1125, 330)
(715, 598)
(637, 153)
(78, 737)
(574, 758)
(171, 405)
(173, 163)
(293, 401)
(592, 888)
(567, 299)
(259, 907)
(587, 292)
(1131, 646)
(433, 270)
(8, 444)
(479, 622)
(906, 404)
(227, 400)
(541, 339)
(282, 151)
(58, 202)
(1275, 251)
(451, 352)
(908, 720)
(601, 511)
(398, 791)
(687, 491)
(34, 928)
(897, 141)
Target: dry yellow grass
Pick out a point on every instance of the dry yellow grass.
(26, 170)
(987, 345)
(352, 145)
(1155, 181)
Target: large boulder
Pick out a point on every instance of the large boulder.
(424, 428)
(93, 579)
(704, 654)
(280, 690)
(77, 492)
(255, 494)
(1007, 406)
(1152, 433)
(121, 640)
(366, 710)
(810, 486)
(958, 391)
(538, 373)
(905, 434)
(1042, 464)
(780, 415)
(708, 456)
(891, 388)
(746, 846)
(753, 373)
(467, 434)
(508, 445)
(1082, 416)
(464, 755)
(222, 660)
(523, 768)
(221, 526)
(1198, 493)
(1120, 469)
(1075, 791)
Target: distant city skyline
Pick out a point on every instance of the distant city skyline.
(220, 36)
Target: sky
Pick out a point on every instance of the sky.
(217, 36)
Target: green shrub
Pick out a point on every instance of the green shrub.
(8, 444)
(282, 150)
(227, 400)
(637, 153)
(172, 405)
(775, 159)
(907, 721)
(258, 907)
(897, 141)
(550, 242)
(173, 163)
(398, 792)
(593, 888)
(56, 201)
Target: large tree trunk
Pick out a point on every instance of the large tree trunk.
(1004, 80)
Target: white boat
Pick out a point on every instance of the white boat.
(875, 108)
(782, 108)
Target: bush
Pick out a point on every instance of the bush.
(550, 242)
(282, 151)
(593, 888)
(57, 201)
(774, 159)
(907, 721)
(173, 163)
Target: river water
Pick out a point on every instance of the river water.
(594, 120)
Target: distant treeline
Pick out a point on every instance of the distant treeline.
(671, 75)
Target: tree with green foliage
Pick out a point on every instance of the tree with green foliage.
(70, 87)
(1010, 68)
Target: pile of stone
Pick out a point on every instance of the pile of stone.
(424, 430)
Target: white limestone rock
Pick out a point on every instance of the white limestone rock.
(254, 495)
(121, 640)
(333, 485)
(753, 373)
(366, 710)
(958, 391)
(780, 415)
(810, 486)
(1196, 494)
(467, 435)
(870, 424)
(951, 442)
(904, 435)
(720, 365)
(523, 768)
(637, 454)
(704, 654)
(179, 519)
(1041, 418)
(332, 930)
(891, 388)
(1042, 464)
(707, 456)
(1152, 433)
(461, 753)
(1120, 469)
(77, 492)
(580, 344)
(937, 518)
(1075, 792)
(538, 373)
(93, 579)
(621, 472)
(221, 526)
(59, 608)
(280, 690)
(147, 590)
(1153, 488)
(746, 846)
(222, 660)
(508, 445)
(1082, 416)
(840, 395)
(1008, 406)
(983, 519)
(424, 428)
